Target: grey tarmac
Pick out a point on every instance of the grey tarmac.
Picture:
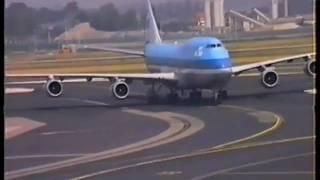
(93, 122)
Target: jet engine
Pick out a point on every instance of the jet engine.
(269, 78)
(120, 90)
(54, 88)
(310, 68)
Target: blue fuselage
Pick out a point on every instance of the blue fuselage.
(198, 63)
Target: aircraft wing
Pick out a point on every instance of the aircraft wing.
(125, 51)
(90, 76)
(241, 68)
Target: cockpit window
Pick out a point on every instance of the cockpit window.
(214, 45)
(211, 46)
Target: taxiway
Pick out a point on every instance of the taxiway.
(254, 133)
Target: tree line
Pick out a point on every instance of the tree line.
(23, 21)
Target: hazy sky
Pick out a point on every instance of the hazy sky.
(234, 4)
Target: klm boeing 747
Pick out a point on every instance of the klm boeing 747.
(200, 63)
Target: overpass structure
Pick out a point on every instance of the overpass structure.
(215, 18)
(214, 14)
(239, 21)
(260, 16)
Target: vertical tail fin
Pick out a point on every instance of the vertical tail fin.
(152, 32)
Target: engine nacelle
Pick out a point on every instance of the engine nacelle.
(310, 68)
(54, 88)
(269, 78)
(120, 90)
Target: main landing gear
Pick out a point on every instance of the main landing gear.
(216, 99)
(218, 96)
(172, 97)
(154, 98)
(152, 95)
(195, 96)
(223, 94)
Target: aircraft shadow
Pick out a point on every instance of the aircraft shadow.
(142, 101)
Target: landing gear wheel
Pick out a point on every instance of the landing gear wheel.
(223, 94)
(172, 98)
(152, 97)
(195, 96)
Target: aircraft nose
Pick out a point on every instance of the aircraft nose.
(219, 53)
(225, 63)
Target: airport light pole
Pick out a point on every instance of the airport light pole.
(49, 34)
(34, 38)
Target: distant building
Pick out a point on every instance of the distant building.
(275, 9)
(286, 8)
(79, 32)
(214, 13)
(83, 32)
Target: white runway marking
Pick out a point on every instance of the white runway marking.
(310, 91)
(221, 172)
(277, 120)
(270, 173)
(63, 132)
(25, 82)
(96, 102)
(43, 156)
(88, 176)
(263, 117)
(180, 126)
(169, 173)
(64, 81)
(14, 128)
(18, 90)
(88, 101)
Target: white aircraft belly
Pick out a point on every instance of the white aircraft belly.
(196, 78)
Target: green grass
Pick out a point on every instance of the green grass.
(269, 43)
(248, 52)
(119, 68)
